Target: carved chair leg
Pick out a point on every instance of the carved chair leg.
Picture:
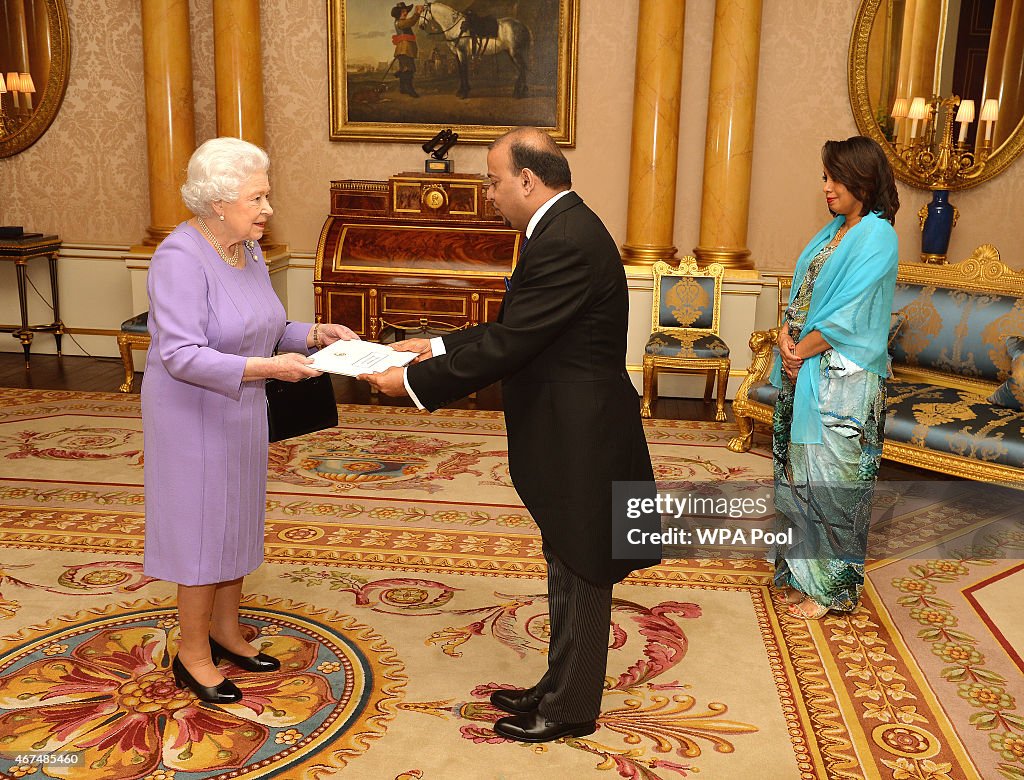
(709, 384)
(742, 442)
(723, 383)
(125, 347)
(650, 383)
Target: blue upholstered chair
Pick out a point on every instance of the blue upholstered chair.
(134, 335)
(684, 334)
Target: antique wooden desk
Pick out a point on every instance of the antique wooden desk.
(419, 252)
(20, 251)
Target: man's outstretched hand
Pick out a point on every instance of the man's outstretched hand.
(390, 382)
(420, 346)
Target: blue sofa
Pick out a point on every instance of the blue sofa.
(948, 357)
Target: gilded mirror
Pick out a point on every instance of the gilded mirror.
(935, 49)
(35, 57)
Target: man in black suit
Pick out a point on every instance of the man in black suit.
(572, 414)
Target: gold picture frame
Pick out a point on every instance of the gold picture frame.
(370, 102)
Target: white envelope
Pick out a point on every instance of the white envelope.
(355, 357)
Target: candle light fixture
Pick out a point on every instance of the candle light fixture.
(964, 117)
(918, 111)
(989, 114)
(3, 113)
(899, 112)
(14, 87)
(21, 88)
(28, 88)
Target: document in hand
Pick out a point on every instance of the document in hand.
(355, 357)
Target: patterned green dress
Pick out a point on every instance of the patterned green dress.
(823, 492)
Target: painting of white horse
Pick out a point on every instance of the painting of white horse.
(506, 35)
(404, 69)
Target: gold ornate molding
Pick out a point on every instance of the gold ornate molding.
(983, 271)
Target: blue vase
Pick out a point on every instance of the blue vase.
(938, 226)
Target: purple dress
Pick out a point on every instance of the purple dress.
(204, 429)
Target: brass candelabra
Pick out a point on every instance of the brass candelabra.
(941, 164)
(934, 158)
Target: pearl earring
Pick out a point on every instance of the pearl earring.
(221, 217)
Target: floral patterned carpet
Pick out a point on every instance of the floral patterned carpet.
(404, 582)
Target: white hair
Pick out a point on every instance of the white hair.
(216, 171)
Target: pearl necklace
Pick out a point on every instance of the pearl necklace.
(233, 259)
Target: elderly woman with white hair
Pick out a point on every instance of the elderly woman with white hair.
(215, 321)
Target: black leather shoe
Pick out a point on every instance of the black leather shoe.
(534, 727)
(517, 702)
(226, 692)
(261, 662)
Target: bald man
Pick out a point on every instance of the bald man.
(572, 414)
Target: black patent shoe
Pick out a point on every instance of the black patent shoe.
(534, 727)
(261, 662)
(516, 702)
(226, 692)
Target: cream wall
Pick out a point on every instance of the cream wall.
(86, 178)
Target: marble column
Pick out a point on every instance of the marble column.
(904, 85)
(654, 142)
(239, 69)
(1011, 104)
(19, 59)
(729, 140)
(170, 133)
(996, 57)
(42, 46)
(925, 30)
(238, 66)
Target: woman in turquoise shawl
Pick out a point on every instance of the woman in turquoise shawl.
(831, 372)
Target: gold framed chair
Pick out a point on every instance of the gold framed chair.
(785, 285)
(134, 335)
(685, 313)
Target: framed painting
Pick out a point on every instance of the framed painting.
(403, 71)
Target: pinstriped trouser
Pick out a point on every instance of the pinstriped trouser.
(580, 615)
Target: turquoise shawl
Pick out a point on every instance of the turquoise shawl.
(850, 306)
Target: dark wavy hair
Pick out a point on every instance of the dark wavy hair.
(859, 164)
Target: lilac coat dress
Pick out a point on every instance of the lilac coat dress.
(204, 429)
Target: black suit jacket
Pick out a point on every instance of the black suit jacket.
(572, 414)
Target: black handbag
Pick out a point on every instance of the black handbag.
(298, 408)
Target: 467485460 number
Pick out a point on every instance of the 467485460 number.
(30, 758)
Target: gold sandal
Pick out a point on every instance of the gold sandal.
(819, 611)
